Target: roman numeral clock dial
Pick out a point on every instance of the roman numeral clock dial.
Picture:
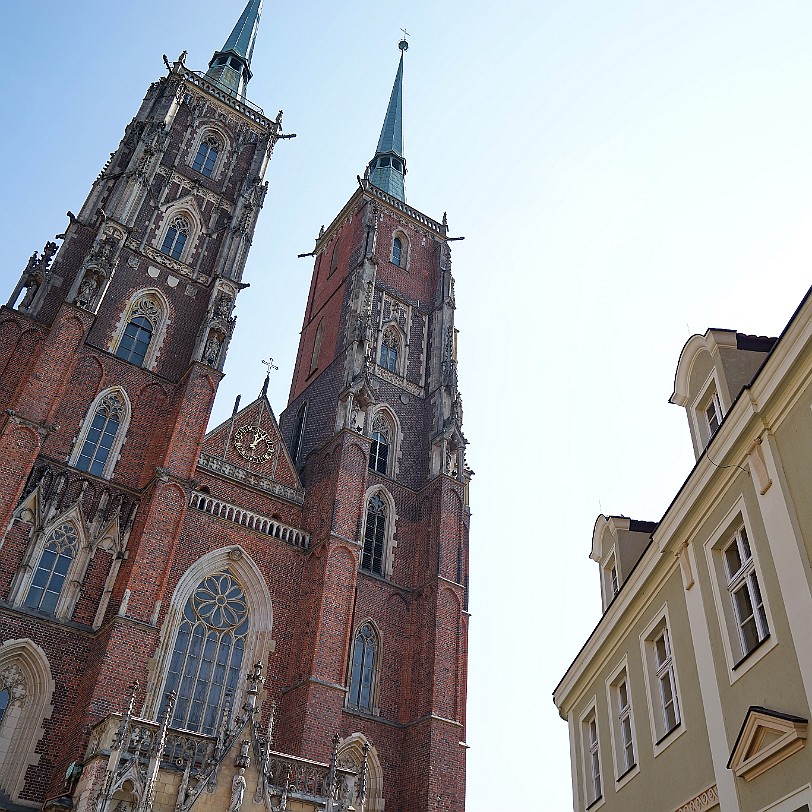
(253, 444)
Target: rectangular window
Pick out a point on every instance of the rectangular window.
(624, 717)
(591, 757)
(745, 592)
(664, 664)
(621, 716)
(662, 682)
(594, 760)
(713, 414)
(610, 579)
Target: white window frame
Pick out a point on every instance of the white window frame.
(610, 585)
(589, 750)
(709, 393)
(624, 772)
(745, 579)
(738, 663)
(654, 672)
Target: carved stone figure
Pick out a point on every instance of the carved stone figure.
(87, 292)
(223, 309)
(212, 350)
(237, 791)
(31, 287)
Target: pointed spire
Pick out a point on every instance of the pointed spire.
(387, 170)
(231, 67)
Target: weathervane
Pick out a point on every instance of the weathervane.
(404, 43)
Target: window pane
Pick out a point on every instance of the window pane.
(210, 658)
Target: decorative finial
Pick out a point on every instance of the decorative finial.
(269, 364)
(404, 44)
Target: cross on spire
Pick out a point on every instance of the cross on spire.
(270, 367)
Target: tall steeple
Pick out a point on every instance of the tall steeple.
(387, 170)
(230, 67)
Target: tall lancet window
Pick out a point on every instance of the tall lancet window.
(135, 340)
(61, 546)
(374, 535)
(389, 350)
(362, 675)
(176, 236)
(101, 435)
(208, 654)
(207, 154)
(379, 450)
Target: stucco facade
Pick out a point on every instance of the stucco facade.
(693, 691)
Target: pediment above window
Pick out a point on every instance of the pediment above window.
(766, 738)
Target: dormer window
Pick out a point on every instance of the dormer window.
(713, 414)
(611, 579)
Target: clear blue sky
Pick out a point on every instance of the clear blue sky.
(625, 174)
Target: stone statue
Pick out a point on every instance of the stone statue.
(31, 287)
(237, 790)
(211, 350)
(87, 292)
(224, 306)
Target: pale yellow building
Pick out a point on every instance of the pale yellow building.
(693, 691)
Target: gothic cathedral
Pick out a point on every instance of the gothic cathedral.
(268, 615)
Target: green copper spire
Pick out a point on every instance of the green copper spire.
(231, 67)
(387, 170)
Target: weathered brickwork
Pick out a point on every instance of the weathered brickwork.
(171, 504)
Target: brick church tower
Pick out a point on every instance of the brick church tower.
(269, 615)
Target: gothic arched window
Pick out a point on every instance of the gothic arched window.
(61, 546)
(207, 657)
(4, 700)
(135, 341)
(298, 433)
(374, 535)
(101, 434)
(176, 236)
(207, 154)
(390, 344)
(362, 675)
(314, 358)
(140, 332)
(397, 250)
(379, 450)
(334, 260)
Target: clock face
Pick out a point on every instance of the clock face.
(253, 443)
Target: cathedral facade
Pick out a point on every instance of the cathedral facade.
(268, 614)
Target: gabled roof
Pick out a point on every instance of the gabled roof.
(250, 441)
(766, 738)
